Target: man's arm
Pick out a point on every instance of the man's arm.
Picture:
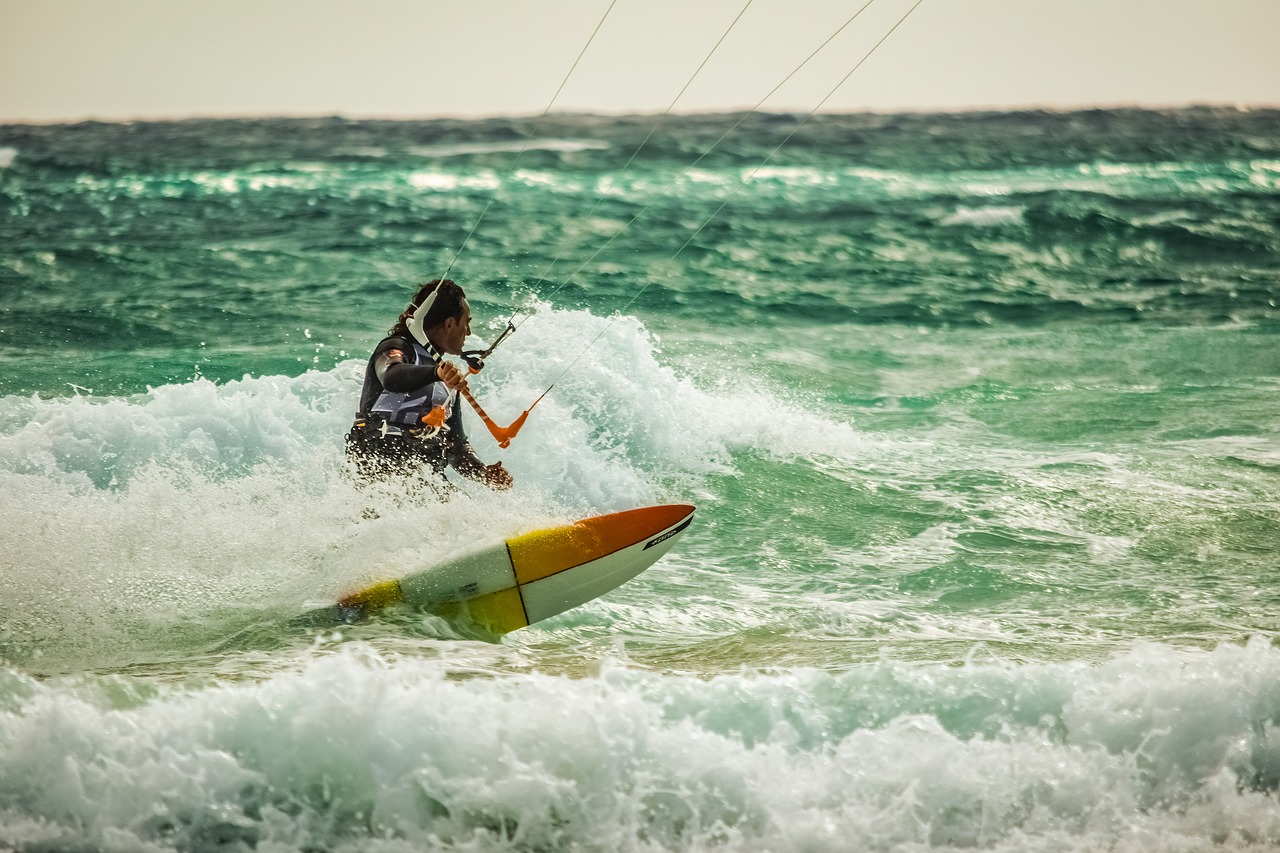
(397, 374)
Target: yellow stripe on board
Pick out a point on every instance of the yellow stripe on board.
(375, 597)
(543, 553)
(500, 612)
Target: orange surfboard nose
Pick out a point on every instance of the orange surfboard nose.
(545, 552)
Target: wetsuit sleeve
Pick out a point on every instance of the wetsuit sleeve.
(401, 376)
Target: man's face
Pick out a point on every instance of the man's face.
(455, 330)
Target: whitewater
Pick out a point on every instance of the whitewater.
(981, 414)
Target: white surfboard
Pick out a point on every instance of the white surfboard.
(524, 579)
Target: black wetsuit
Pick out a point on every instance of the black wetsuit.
(378, 453)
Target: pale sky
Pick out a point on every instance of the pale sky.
(66, 60)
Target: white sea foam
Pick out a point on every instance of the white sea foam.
(447, 182)
(793, 175)
(643, 412)
(354, 750)
(984, 217)
(564, 146)
(7, 156)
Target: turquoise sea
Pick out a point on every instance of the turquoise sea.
(981, 414)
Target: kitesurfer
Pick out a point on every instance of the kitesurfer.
(409, 414)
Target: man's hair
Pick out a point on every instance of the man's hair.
(448, 304)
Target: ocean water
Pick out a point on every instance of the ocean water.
(981, 414)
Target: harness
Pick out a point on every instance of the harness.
(420, 414)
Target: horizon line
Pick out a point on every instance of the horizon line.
(625, 114)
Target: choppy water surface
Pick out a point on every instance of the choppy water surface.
(981, 414)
